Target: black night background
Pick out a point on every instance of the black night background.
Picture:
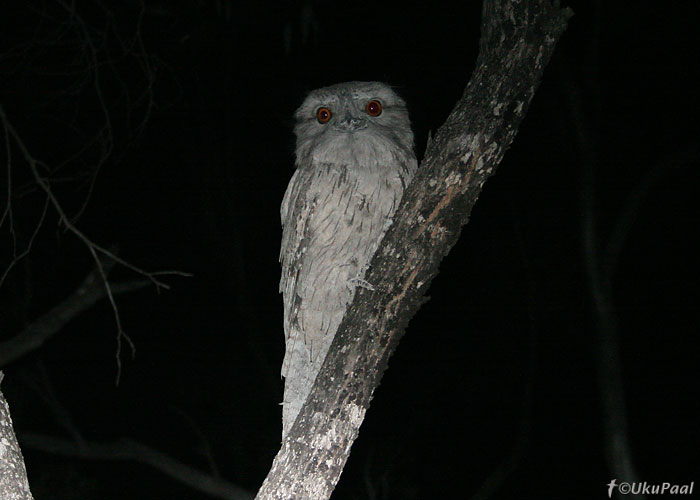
(165, 130)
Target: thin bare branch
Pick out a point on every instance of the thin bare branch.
(16, 258)
(66, 221)
(90, 72)
(106, 133)
(127, 449)
(85, 296)
(7, 213)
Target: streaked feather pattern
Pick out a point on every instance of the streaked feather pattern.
(351, 174)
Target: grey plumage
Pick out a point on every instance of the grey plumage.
(354, 158)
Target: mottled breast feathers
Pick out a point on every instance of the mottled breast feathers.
(354, 158)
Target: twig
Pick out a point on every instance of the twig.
(93, 247)
(127, 449)
(46, 187)
(16, 258)
(48, 325)
(105, 133)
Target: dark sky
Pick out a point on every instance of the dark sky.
(187, 109)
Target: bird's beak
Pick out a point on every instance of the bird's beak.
(348, 123)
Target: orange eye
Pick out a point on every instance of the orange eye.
(374, 108)
(323, 115)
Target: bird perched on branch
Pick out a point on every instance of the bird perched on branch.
(354, 158)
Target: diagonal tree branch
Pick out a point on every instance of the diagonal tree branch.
(127, 449)
(517, 41)
(97, 252)
(91, 290)
(13, 473)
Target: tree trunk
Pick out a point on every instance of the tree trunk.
(517, 41)
(13, 474)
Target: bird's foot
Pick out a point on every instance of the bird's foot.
(362, 284)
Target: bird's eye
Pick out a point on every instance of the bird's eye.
(323, 115)
(374, 108)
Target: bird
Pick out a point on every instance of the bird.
(354, 158)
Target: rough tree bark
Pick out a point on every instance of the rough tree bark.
(90, 291)
(517, 41)
(13, 474)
